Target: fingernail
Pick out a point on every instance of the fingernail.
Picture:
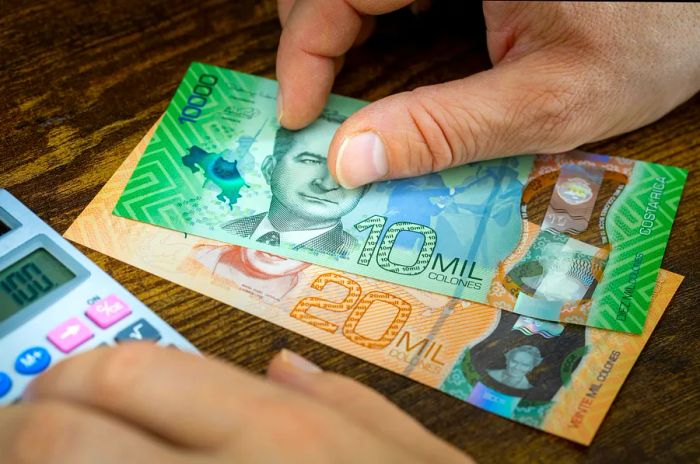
(299, 362)
(361, 160)
(280, 107)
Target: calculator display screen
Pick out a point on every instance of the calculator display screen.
(30, 278)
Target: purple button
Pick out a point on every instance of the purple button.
(70, 335)
(108, 311)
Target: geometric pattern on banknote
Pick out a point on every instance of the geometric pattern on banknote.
(159, 189)
(627, 216)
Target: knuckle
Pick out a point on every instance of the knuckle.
(45, 432)
(454, 134)
(433, 145)
(547, 114)
(552, 109)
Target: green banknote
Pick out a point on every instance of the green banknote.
(576, 237)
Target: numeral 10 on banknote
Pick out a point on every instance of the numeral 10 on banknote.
(376, 225)
(358, 305)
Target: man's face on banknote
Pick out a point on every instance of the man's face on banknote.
(300, 181)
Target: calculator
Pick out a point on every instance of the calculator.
(55, 302)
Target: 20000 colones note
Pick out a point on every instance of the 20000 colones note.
(576, 237)
(558, 378)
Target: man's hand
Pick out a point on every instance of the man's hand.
(141, 403)
(564, 74)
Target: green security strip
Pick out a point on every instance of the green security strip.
(638, 225)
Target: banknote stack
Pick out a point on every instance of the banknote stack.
(526, 286)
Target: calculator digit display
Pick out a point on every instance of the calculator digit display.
(30, 278)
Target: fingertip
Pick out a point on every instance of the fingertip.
(361, 159)
(295, 111)
(305, 81)
(287, 365)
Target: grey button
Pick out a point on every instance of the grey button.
(139, 330)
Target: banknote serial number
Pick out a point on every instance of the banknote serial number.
(197, 99)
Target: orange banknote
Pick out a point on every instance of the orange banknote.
(558, 378)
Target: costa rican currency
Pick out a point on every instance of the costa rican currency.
(558, 378)
(576, 237)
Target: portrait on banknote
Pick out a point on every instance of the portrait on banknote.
(518, 368)
(520, 361)
(307, 204)
(263, 274)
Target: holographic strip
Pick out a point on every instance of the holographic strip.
(493, 401)
(530, 326)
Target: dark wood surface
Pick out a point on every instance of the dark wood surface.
(82, 81)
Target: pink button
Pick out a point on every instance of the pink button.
(70, 335)
(108, 311)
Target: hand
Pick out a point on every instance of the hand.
(141, 403)
(564, 74)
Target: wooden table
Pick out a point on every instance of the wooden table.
(82, 81)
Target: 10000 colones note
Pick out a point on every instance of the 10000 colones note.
(558, 378)
(576, 237)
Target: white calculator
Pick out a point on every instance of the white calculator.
(55, 302)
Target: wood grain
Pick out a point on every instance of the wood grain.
(82, 81)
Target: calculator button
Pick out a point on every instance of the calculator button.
(139, 330)
(5, 384)
(70, 335)
(108, 311)
(32, 361)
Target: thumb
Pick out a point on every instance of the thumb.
(361, 404)
(518, 107)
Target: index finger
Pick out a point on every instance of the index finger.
(187, 399)
(315, 34)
